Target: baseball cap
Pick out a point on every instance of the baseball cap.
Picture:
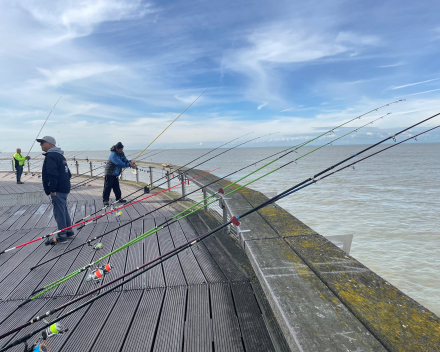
(46, 139)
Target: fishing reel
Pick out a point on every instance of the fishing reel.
(97, 274)
(41, 345)
(98, 246)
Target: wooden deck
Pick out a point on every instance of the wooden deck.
(197, 301)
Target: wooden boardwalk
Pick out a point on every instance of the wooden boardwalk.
(197, 301)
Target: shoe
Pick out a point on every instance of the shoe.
(106, 203)
(70, 233)
(54, 241)
(121, 201)
(19, 183)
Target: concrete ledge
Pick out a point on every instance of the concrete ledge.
(399, 322)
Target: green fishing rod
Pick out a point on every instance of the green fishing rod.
(140, 270)
(181, 215)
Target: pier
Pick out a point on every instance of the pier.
(271, 284)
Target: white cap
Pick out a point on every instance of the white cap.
(47, 139)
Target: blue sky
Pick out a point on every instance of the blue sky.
(126, 69)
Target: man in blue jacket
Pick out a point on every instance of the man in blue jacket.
(56, 182)
(115, 163)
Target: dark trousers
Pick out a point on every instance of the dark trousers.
(111, 182)
(19, 172)
(60, 212)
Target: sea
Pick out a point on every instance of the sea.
(389, 202)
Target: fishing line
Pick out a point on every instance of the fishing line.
(157, 261)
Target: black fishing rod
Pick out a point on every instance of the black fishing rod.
(159, 260)
(41, 128)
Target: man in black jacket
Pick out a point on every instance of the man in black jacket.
(56, 182)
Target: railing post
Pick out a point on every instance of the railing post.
(225, 215)
(77, 167)
(205, 202)
(29, 166)
(137, 175)
(182, 176)
(151, 176)
(91, 169)
(168, 180)
(13, 169)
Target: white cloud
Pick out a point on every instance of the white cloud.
(56, 77)
(269, 48)
(413, 84)
(261, 106)
(427, 91)
(71, 19)
(400, 63)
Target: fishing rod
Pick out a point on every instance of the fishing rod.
(221, 191)
(175, 171)
(167, 127)
(159, 260)
(40, 129)
(180, 215)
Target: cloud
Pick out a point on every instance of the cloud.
(261, 106)
(413, 84)
(72, 19)
(400, 63)
(277, 46)
(70, 73)
(427, 91)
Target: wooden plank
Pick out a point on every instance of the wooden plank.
(253, 329)
(226, 329)
(118, 323)
(198, 332)
(169, 335)
(143, 327)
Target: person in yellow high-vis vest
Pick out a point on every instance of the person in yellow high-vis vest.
(19, 164)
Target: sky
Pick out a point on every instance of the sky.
(126, 69)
